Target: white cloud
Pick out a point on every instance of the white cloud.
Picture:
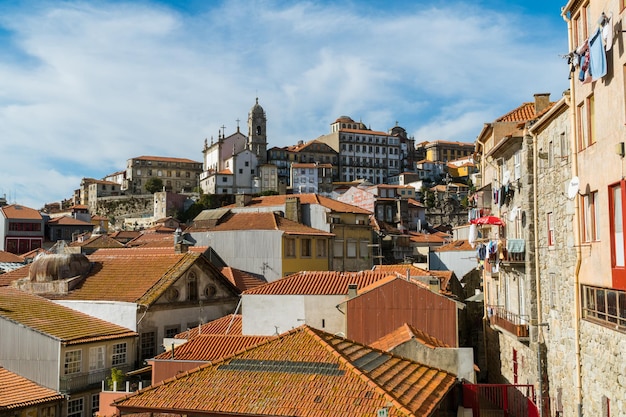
(86, 86)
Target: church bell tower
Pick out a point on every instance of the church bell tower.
(257, 137)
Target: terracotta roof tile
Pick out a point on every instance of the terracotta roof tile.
(319, 283)
(279, 200)
(211, 347)
(404, 334)
(401, 269)
(230, 324)
(68, 221)
(18, 392)
(457, 245)
(99, 241)
(15, 211)
(131, 275)
(7, 278)
(242, 279)
(10, 257)
(166, 159)
(426, 238)
(304, 372)
(59, 322)
(264, 221)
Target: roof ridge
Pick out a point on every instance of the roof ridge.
(362, 374)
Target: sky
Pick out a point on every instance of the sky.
(87, 85)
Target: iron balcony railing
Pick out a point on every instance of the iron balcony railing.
(87, 380)
(500, 400)
(511, 322)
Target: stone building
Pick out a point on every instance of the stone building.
(232, 164)
(179, 175)
(444, 151)
(363, 153)
(556, 257)
(599, 274)
(507, 194)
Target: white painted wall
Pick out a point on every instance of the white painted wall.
(121, 313)
(266, 314)
(460, 262)
(256, 251)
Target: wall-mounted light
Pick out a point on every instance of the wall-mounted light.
(619, 149)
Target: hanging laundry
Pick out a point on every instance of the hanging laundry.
(473, 234)
(607, 33)
(597, 56)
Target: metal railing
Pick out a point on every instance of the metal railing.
(500, 399)
(511, 322)
(81, 381)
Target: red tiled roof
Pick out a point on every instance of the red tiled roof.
(264, 221)
(523, 113)
(457, 245)
(401, 269)
(279, 200)
(19, 392)
(100, 241)
(131, 275)
(225, 172)
(404, 334)
(319, 283)
(15, 211)
(242, 279)
(59, 322)
(68, 221)
(414, 202)
(10, 257)
(304, 372)
(166, 159)
(7, 278)
(211, 347)
(426, 238)
(230, 324)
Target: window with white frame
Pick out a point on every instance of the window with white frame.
(119, 354)
(518, 165)
(590, 217)
(73, 359)
(95, 402)
(290, 247)
(75, 408)
(305, 248)
(96, 358)
(616, 218)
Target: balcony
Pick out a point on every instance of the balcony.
(82, 381)
(500, 400)
(511, 322)
(515, 251)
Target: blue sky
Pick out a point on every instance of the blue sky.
(84, 86)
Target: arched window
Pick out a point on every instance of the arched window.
(192, 287)
(258, 130)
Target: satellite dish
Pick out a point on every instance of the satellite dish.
(573, 187)
(506, 177)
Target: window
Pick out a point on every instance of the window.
(338, 248)
(96, 358)
(75, 408)
(119, 354)
(95, 402)
(351, 248)
(290, 248)
(616, 217)
(586, 123)
(590, 231)
(148, 344)
(73, 359)
(305, 248)
(171, 331)
(550, 226)
(564, 145)
(241, 170)
(192, 287)
(247, 163)
(364, 249)
(320, 246)
(224, 179)
(605, 305)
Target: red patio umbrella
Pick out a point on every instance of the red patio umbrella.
(494, 220)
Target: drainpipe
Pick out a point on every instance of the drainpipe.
(577, 303)
(539, 318)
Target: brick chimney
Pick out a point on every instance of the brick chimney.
(293, 210)
(542, 101)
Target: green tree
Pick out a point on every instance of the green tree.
(153, 185)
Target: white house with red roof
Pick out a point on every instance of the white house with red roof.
(21, 229)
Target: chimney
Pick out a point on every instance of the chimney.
(293, 210)
(542, 101)
(352, 290)
(434, 285)
(242, 200)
